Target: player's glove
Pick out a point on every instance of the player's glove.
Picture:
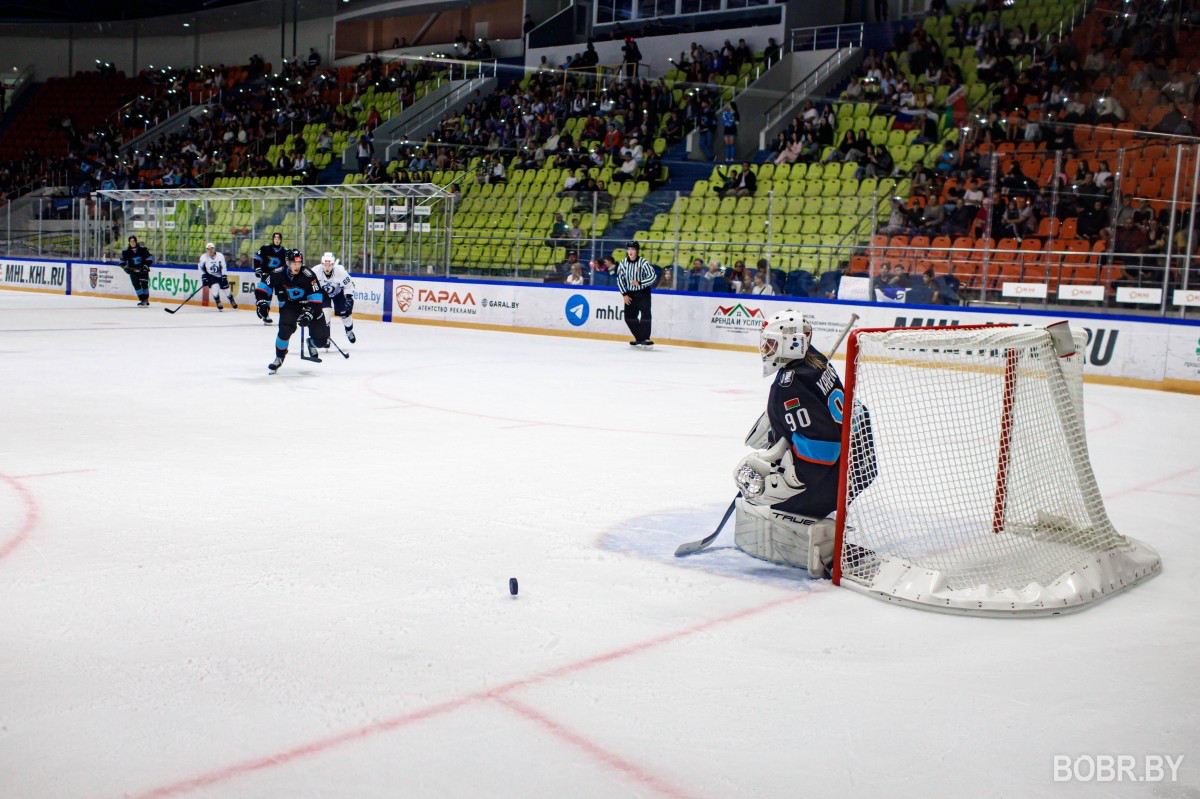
(306, 317)
(263, 309)
(349, 306)
(764, 477)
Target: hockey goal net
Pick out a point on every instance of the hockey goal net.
(966, 484)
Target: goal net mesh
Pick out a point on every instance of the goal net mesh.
(968, 456)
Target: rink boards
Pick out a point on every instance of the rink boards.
(1152, 353)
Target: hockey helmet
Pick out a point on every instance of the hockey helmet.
(784, 338)
(327, 259)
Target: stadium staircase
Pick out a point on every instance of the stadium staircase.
(683, 175)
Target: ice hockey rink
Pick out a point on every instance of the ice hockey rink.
(219, 583)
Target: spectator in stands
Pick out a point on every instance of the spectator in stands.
(706, 125)
(564, 269)
(729, 123)
(575, 272)
(1018, 219)
(933, 217)
(574, 232)
(899, 220)
(878, 163)
(626, 171)
(364, 152)
(558, 230)
(1091, 221)
(612, 139)
(771, 51)
(844, 150)
(715, 272)
(948, 160)
(1110, 110)
(738, 278)
(761, 286)
(786, 150)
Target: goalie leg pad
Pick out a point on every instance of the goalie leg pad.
(785, 538)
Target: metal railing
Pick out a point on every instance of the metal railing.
(484, 71)
(826, 37)
(127, 117)
(801, 91)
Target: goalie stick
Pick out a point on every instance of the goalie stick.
(697, 546)
(703, 543)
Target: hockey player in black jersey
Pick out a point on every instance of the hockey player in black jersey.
(790, 485)
(299, 294)
(269, 258)
(136, 260)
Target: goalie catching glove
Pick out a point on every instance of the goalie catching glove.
(766, 477)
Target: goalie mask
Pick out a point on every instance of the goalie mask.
(784, 338)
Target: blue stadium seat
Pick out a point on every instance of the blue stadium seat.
(829, 282)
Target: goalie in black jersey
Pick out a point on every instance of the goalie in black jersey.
(790, 485)
(269, 258)
(299, 294)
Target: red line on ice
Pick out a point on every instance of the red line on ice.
(52, 474)
(1151, 483)
(396, 722)
(603, 755)
(27, 524)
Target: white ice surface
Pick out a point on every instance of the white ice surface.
(220, 583)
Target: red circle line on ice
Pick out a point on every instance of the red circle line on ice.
(27, 523)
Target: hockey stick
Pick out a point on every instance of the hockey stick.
(703, 543)
(696, 546)
(345, 354)
(304, 351)
(845, 332)
(185, 302)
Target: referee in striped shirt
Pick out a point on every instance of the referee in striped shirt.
(635, 278)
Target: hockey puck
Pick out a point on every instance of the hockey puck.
(512, 586)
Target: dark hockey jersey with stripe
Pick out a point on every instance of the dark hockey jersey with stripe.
(805, 407)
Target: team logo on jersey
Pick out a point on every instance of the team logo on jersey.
(578, 310)
(93, 276)
(785, 378)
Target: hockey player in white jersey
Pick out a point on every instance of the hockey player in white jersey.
(213, 273)
(338, 289)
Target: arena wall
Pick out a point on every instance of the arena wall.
(1124, 350)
